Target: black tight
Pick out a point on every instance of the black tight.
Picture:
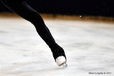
(24, 10)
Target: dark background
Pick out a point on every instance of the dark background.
(72, 7)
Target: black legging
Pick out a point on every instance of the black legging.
(24, 10)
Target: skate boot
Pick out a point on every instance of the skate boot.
(59, 56)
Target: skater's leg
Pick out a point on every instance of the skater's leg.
(25, 11)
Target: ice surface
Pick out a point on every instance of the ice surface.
(89, 47)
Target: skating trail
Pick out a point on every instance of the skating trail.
(89, 47)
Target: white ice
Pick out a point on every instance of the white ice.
(89, 47)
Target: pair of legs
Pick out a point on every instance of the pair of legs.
(25, 11)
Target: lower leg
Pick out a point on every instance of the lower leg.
(25, 11)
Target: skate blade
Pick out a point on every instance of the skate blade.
(63, 65)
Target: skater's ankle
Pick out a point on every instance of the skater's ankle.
(54, 46)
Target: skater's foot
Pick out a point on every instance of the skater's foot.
(59, 56)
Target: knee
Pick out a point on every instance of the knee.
(35, 17)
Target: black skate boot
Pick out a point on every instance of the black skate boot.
(59, 56)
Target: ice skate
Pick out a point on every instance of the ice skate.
(61, 61)
(59, 56)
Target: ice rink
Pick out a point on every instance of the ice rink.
(89, 46)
